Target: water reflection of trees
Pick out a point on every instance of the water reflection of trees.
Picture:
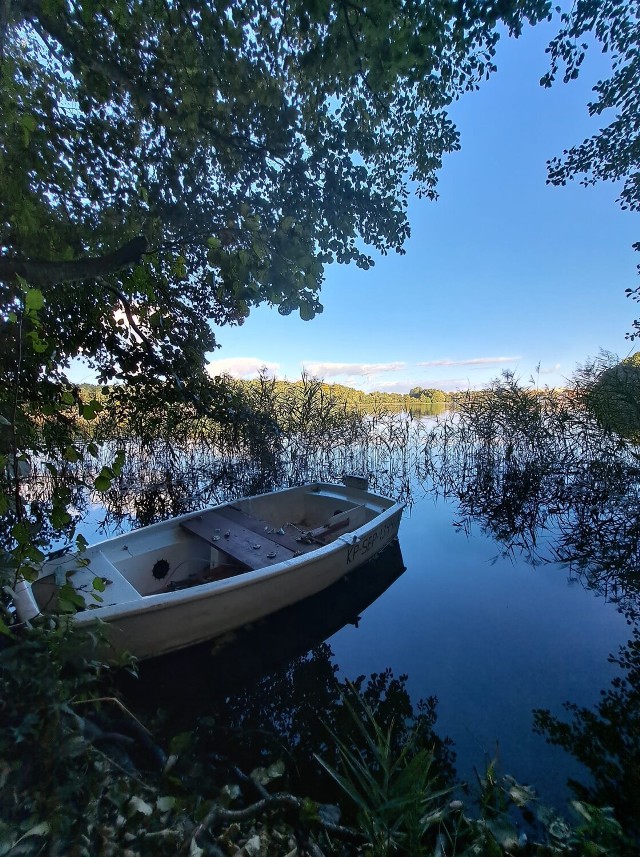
(541, 475)
(606, 740)
(51, 520)
(271, 690)
(547, 477)
(161, 478)
(164, 476)
(286, 713)
(293, 708)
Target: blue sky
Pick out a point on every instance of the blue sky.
(502, 272)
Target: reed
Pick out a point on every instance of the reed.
(543, 474)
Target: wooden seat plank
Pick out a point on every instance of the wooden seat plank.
(260, 527)
(328, 529)
(252, 549)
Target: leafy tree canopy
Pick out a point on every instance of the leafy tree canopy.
(430, 393)
(614, 397)
(168, 164)
(613, 153)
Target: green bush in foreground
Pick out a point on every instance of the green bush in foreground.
(81, 776)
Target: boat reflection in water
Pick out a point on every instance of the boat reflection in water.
(271, 691)
(188, 681)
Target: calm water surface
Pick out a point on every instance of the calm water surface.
(492, 638)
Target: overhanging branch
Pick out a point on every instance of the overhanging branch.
(41, 272)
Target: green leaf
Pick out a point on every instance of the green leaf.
(99, 585)
(165, 803)
(229, 793)
(102, 483)
(41, 829)
(69, 601)
(263, 776)
(29, 122)
(520, 795)
(34, 554)
(90, 410)
(23, 467)
(194, 849)
(104, 479)
(181, 742)
(307, 312)
(118, 462)
(21, 532)
(38, 344)
(33, 300)
(504, 832)
(59, 517)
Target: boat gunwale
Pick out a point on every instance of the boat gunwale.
(159, 600)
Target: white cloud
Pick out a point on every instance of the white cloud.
(241, 367)
(331, 370)
(394, 387)
(474, 361)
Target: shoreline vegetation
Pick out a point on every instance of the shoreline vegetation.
(83, 775)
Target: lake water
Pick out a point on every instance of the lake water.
(491, 637)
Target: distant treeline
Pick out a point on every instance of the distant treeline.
(370, 402)
(415, 399)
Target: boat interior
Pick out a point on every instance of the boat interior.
(212, 545)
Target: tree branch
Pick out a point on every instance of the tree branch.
(44, 272)
(281, 800)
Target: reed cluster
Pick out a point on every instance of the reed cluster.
(542, 472)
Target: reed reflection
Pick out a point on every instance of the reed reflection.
(546, 477)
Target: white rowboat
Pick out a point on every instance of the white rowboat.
(194, 577)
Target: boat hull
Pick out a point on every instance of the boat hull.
(151, 629)
(161, 622)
